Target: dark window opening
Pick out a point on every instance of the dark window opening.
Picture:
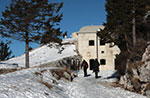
(91, 42)
(103, 62)
(102, 52)
(102, 42)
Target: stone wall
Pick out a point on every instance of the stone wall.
(65, 62)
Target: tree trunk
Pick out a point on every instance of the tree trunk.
(148, 36)
(27, 50)
(127, 45)
(134, 32)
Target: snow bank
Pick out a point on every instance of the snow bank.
(40, 56)
(26, 84)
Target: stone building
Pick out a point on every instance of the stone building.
(90, 47)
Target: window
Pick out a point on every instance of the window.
(102, 42)
(91, 42)
(102, 52)
(103, 62)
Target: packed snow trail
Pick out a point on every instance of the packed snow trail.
(25, 84)
(89, 87)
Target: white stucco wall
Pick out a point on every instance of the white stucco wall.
(85, 50)
(90, 52)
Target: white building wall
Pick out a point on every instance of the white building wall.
(91, 52)
(85, 50)
(107, 55)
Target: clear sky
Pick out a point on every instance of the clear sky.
(76, 14)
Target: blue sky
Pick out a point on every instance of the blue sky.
(76, 14)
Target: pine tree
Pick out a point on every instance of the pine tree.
(5, 52)
(28, 20)
(147, 23)
(125, 27)
(124, 22)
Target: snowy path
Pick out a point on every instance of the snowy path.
(25, 84)
(89, 87)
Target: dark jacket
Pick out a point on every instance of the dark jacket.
(84, 65)
(96, 66)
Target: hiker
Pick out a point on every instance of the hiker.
(85, 67)
(96, 68)
(74, 65)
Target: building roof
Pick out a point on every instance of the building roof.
(91, 28)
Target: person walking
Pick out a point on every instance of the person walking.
(96, 68)
(84, 65)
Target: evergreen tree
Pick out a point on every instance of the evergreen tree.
(5, 52)
(124, 22)
(147, 24)
(28, 20)
(125, 27)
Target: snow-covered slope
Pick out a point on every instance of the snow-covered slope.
(26, 84)
(41, 55)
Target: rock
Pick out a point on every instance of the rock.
(137, 75)
(144, 74)
(147, 93)
(144, 70)
(67, 76)
(65, 62)
(147, 90)
(55, 75)
(136, 84)
(126, 81)
(141, 73)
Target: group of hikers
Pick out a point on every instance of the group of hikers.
(84, 65)
(95, 67)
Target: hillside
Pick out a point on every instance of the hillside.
(40, 55)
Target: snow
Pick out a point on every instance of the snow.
(89, 87)
(26, 84)
(40, 56)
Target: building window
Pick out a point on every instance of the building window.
(91, 42)
(102, 52)
(102, 42)
(103, 62)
